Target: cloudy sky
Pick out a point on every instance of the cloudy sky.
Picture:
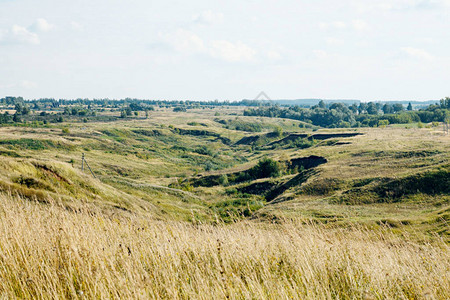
(206, 49)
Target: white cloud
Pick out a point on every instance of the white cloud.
(76, 26)
(232, 52)
(22, 35)
(208, 17)
(184, 41)
(41, 25)
(339, 25)
(415, 53)
(273, 55)
(321, 54)
(334, 41)
(360, 25)
(323, 25)
(332, 25)
(188, 43)
(18, 35)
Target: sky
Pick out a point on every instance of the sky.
(227, 50)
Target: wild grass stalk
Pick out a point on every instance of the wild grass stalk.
(48, 252)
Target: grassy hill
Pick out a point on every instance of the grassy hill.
(248, 206)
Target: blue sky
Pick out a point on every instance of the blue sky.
(206, 50)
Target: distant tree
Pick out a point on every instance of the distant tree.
(372, 109)
(378, 105)
(5, 118)
(387, 108)
(410, 106)
(16, 118)
(128, 111)
(362, 108)
(445, 103)
(25, 110)
(398, 107)
(322, 104)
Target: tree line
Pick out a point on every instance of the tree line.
(371, 114)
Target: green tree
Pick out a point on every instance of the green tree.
(398, 107)
(409, 106)
(266, 167)
(278, 131)
(372, 109)
(128, 111)
(445, 103)
(16, 118)
(362, 108)
(387, 108)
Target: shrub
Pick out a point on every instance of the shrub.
(278, 131)
(223, 179)
(383, 123)
(266, 167)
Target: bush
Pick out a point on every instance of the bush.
(223, 179)
(265, 168)
(383, 123)
(278, 131)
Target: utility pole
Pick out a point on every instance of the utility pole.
(83, 161)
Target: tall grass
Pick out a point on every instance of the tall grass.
(48, 252)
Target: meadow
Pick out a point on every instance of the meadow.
(209, 204)
(48, 252)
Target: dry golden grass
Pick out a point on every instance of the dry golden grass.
(48, 252)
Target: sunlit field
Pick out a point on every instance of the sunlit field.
(47, 252)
